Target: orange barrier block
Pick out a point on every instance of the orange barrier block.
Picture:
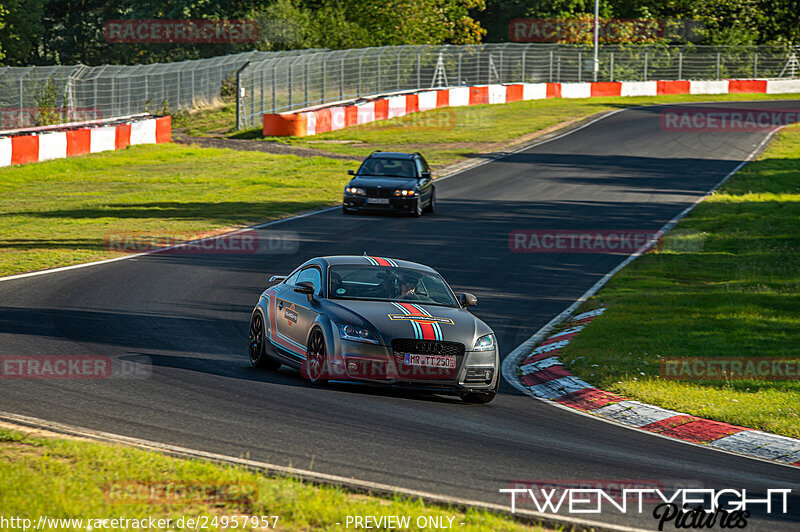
(554, 90)
(412, 103)
(163, 129)
(24, 149)
(350, 115)
(79, 142)
(284, 125)
(513, 93)
(381, 109)
(323, 118)
(123, 136)
(606, 88)
(674, 87)
(740, 86)
(443, 98)
(478, 95)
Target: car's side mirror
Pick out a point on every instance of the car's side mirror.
(425, 175)
(305, 287)
(467, 300)
(351, 172)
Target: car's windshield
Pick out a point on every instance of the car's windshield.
(381, 283)
(379, 167)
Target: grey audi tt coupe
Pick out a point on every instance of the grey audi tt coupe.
(376, 320)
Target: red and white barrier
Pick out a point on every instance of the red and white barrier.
(321, 120)
(22, 147)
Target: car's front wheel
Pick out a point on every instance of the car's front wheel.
(316, 363)
(258, 346)
(431, 208)
(417, 211)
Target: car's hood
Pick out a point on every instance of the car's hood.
(384, 182)
(413, 320)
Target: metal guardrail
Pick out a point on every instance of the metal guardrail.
(79, 92)
(282, 84)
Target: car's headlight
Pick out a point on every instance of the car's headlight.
(405, 192)
(356, 334)
(484, 343)
(355, 190)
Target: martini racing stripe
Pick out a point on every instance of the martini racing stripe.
(414, 324)
(437, 329)
(425, 327)
(380, 261)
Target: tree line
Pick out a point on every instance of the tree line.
(42, 32)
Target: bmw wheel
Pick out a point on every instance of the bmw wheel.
(258, 347)
(431, 208)
(417, 212)
(315, 366)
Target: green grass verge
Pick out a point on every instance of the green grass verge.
(65, 478)
(58, 212)
(726, 284)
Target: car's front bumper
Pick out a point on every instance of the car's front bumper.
(359, 361)
(396, 204)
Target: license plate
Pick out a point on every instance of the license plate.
(378, 201)
(436, 361)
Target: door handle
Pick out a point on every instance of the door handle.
(280, 305)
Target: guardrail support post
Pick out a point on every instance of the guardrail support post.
(718, 59)
(239, 95)
(611, 67)
(680, 65)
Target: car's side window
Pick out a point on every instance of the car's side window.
(420, 166)
(292, 279)
(425, 166)
(311, 274)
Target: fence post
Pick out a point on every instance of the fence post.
(291, 80)
(680, 65)
(718, 63)
(550, 72)
(239, 95)
(558, 68)
(523, 65)
(419, 67)
(755, 64)
(580, 66)
(21, 106)
(646, 57)
(193, 97)
(274, 94)
(397, 87)
(358, 93)
(379, 73)
(341, 77)
(262, 90)
(324, 77)
(458, 78)
(611, 67)
(305, 83)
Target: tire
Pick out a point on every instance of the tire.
(258, 345)
(431, 208)
(480, 397)
(316, 363)
(417, 212)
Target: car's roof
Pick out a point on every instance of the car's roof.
(391, 155)
(365, 261)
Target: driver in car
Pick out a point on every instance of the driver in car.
(408, 287)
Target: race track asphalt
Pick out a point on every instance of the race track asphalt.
(184, 318)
